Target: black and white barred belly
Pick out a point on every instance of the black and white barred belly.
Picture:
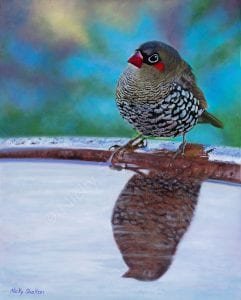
(173, 115)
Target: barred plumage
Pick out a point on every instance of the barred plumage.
(168, 117)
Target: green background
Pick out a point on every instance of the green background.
(60, 61)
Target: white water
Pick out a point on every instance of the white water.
(56, 236)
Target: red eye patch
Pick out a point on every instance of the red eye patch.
(159, 66)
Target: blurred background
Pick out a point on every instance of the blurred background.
(60, 61)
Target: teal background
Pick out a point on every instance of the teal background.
(60, 61)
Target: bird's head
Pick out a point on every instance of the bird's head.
(157, 55)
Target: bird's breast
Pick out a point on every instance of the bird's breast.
(158, 113)
(137, 89)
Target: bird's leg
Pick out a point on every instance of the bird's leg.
(184, 143)
(181, 148)
(131, 145)
(141, 144)
(136, 143)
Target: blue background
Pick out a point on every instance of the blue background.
(60, 61)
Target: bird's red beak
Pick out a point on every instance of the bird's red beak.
(136, 59)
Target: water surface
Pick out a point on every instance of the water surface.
(57, 237)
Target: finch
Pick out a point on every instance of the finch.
(158, 94)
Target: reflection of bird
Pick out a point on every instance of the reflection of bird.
(149, 218)
(158, 95)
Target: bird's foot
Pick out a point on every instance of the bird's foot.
(132, 145)
(192, 151)
(114, 147)
(180, 150)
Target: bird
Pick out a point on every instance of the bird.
(150, 218)
(158, 94)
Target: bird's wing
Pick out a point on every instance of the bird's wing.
(189, 80)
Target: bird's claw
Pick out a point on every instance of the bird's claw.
(131, 146)
(114, 147)
(142, 143)
(180, 150)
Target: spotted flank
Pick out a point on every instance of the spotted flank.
(174, 114)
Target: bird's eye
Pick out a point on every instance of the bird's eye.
(153, 58)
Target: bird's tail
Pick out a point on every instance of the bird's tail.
(206, 117)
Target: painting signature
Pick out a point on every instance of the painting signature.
(27, 291)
